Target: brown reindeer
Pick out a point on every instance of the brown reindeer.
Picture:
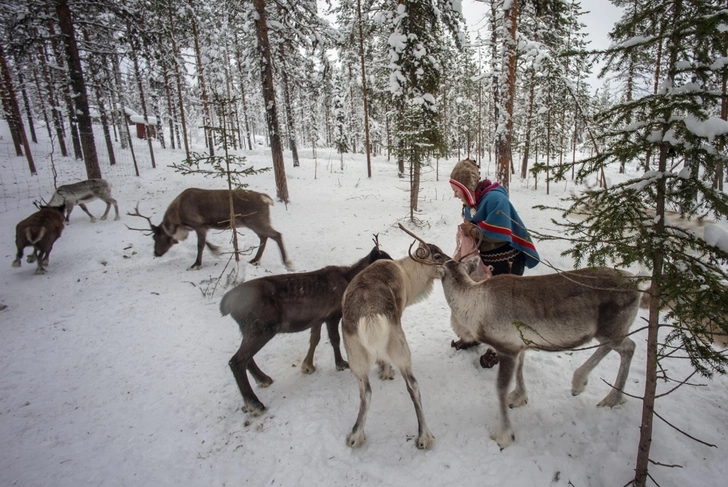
(202, 209)
(287, 303)
(41, 230)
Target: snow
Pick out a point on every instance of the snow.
(709, 128)
(113, 365)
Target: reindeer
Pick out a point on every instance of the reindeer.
(288, 303)
(41, 230)
(549, 312)
(201, 209)
(372, 327)
(84, 192)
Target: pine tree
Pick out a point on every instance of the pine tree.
(643, 221)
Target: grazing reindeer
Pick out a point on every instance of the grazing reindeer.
(372, 326)
(202, 209)
(549, 312)
(287, 304)
(41, 230)
(84, 192)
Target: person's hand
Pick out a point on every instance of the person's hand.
(470, 230)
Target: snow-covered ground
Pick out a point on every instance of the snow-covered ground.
(114, 365)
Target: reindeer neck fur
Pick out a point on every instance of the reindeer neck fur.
(418, 280)
(351, 271)
(171, 224)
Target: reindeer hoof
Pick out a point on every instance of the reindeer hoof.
(425, 441)
(254, 410)
(343, 365)
(612, 400)
(16, 263)
(102, 218)
(195, 267)
(355, 440)
(489, 359)
(503, 440)
(308, 368)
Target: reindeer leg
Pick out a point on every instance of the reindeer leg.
(360, 361)
(400, 353)
(83, 207)
(109, 202)
(201, 240)
(504, 435)
(261, 378)
(18, 257)
(259, 253)
(69, 209)
(279, 240)
(332, 326)
(356, 438)
(518, 396)
(581, 375)
(307, 367)
(239, 362)
(615, 396)
(40, 257)
(385, 370)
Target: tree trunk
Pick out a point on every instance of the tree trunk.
(102, 107)
(125, 135)
(75, 140)
(239, 62)
(364, 91)
(415, 170)
(269, 97)
(207, 124)
(529, 122)
(14, 111)
(170, 108)
(78, 85)
(289, 110)
(178, 77)
(10, 116)
(38, 90)
(26, 103)
(648, 400)
(505, 137)
(494, 79)
(134, 48)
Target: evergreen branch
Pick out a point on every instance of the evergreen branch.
(684, 433)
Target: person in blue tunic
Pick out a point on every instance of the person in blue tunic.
(489, 216)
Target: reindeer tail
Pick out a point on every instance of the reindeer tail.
(645, 300)
(34, 240)
(239, 301)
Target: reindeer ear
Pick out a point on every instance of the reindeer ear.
(472, 264)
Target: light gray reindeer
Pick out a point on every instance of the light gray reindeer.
(372, 327)
(84, 192)
(550, 312)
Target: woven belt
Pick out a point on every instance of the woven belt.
(500, 257)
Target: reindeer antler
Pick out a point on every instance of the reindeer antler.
(420, 254)
(136, 213)
(376, 241)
